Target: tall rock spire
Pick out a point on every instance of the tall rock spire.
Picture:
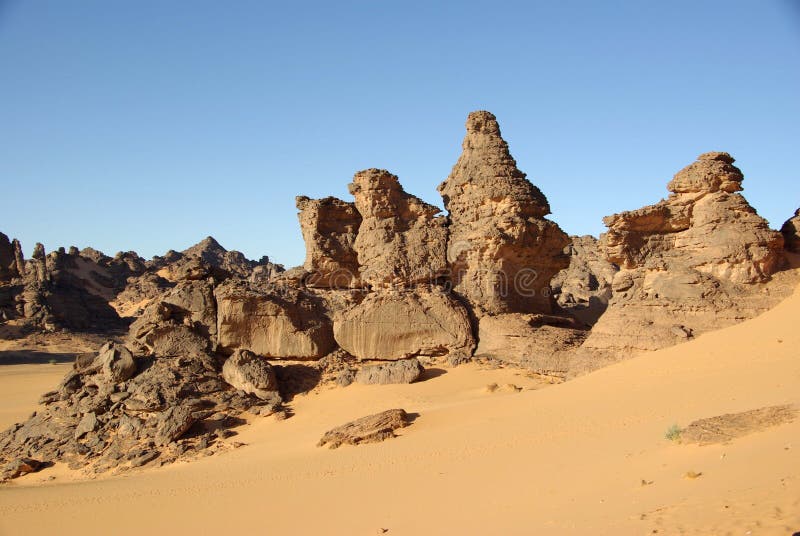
(502, 252)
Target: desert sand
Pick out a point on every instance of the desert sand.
(587, 456)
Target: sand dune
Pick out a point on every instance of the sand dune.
(584, 457)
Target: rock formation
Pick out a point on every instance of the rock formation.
(690, 263)
(791, 233)
(704, 225)
(402, 239)
(272, 322)
(502, 251)
(116, 410)
(330, 227)
(396, 324)
(584, 288)
(9, 268)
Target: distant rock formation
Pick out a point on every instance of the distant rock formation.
(791, 233)
(689, 264)
(330, 227)
(502, 251)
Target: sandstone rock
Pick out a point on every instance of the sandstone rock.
(252, 374)
(402, 239)
(87, 424)
(369, 429)
(692, 263)
(275, 322)
(402, 371)
(584, 288)
(173, 423)
(703, 225)
(501, 250)
(19, 467)
(330, 227)
(391, 325)
(791, 233)
(8, 260)
(116, 362)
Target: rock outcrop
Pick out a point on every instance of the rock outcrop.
(330, 227)
(704, 225)
(396, 324)
(274, 322)
(402, 239)
(502, 251)
(10, 257)
(116, 410)
(584, 288)
(791, 233)
(689, 264)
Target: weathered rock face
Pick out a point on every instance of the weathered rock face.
(584, 288)
(502, 252)
(692, 263)
(540, 343)
(704, 225)
(791, 233)
(402, 239)
(391, 325)
(182, 322)
(275, 322)
(330, 227)
(8, 259)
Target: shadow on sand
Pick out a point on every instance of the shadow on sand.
(32, 357)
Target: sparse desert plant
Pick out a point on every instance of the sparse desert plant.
(53, 362)
(673, 433)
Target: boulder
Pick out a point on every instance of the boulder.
(791, 233)
(116, 362)
(501, 249)
(369, 429)
(395, 324)
(173, 423)
(401, 371)
(250, 373)
(329, 227)
(402, 239)
(19, 467)
(274, 322)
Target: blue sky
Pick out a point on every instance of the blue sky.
(147, 125)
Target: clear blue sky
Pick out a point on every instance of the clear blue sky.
(148, 124)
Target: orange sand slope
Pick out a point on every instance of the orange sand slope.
(584, 457)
